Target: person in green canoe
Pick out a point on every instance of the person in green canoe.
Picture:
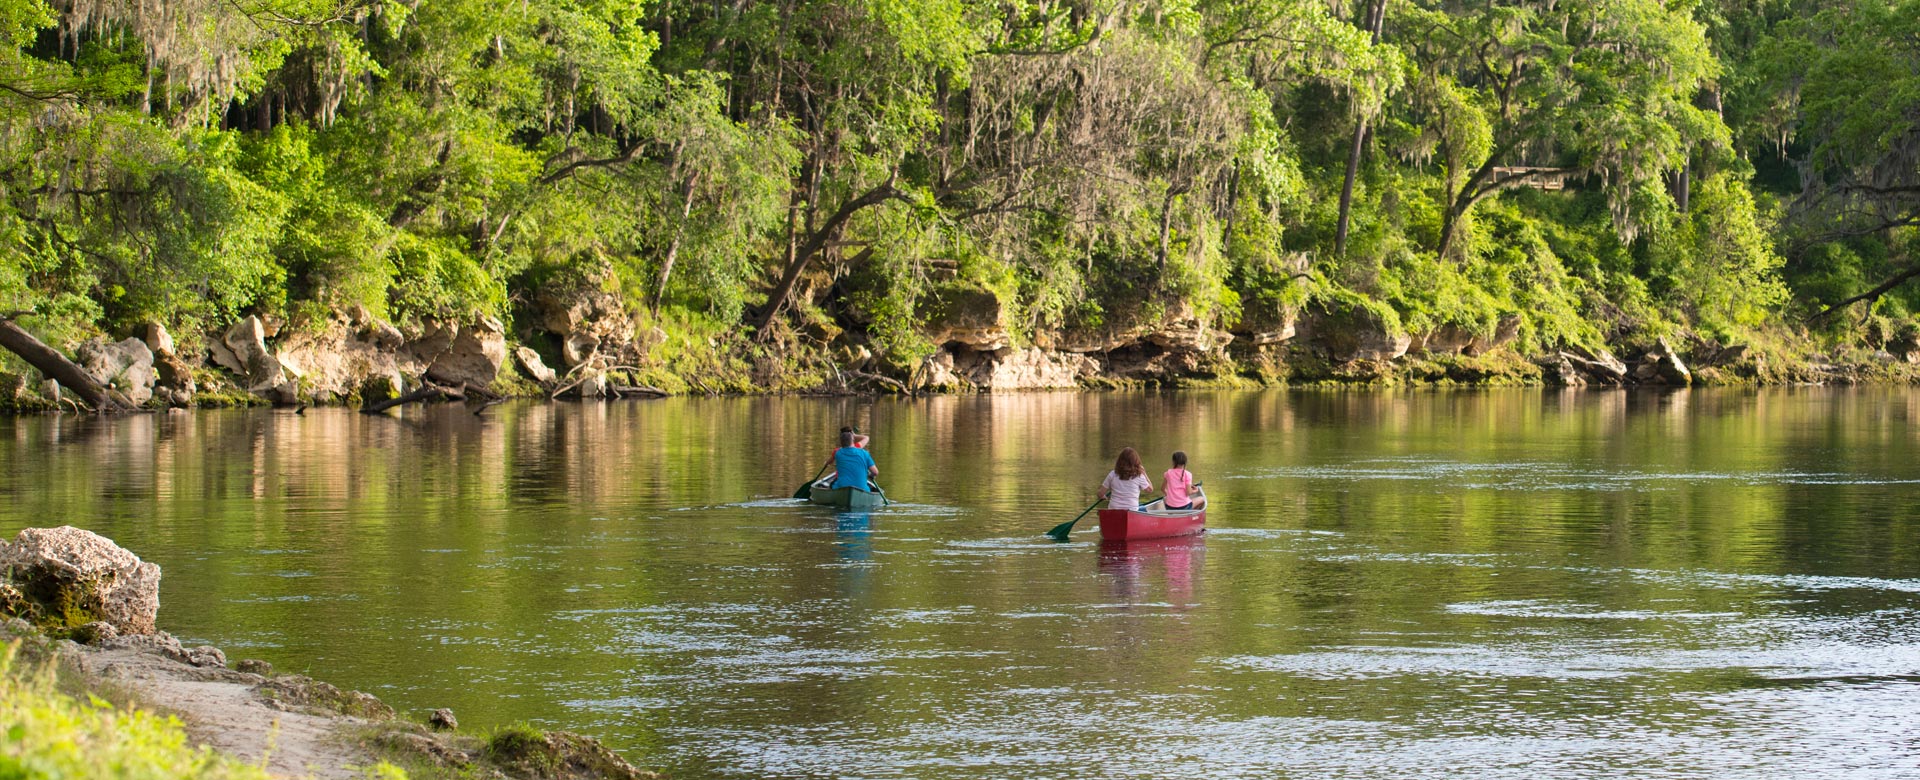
(859, 440)
(852, 465)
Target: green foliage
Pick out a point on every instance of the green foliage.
(1092, 166)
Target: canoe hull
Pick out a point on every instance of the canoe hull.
(1128, 525)
(844, 498)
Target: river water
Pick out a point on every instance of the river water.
(1515, 583)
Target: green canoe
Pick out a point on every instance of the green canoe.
(845, 498)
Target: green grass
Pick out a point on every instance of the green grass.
(54, 727)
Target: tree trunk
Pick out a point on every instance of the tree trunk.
(1346, 189)
(1166, 221)
(59, 368)
(777, 299)
(1376, 19)
(673, 247)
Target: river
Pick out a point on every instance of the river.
(1507, 583)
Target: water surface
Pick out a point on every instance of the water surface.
(1526, 583)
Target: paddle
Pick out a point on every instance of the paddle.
(884, 501)
(1060, 532)
(806, 489)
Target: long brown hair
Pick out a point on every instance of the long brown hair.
(1128, 465)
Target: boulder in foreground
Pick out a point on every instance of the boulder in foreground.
(63, 578)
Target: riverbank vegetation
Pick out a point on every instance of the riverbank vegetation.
(55, 733)
(777, 186)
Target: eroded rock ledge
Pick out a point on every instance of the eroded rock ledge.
(585, 343)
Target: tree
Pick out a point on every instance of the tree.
(1851, 75)
(1596, 90)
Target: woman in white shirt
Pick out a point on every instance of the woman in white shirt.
(1125, 483)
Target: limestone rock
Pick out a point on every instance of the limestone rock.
(588, 321)
(174, 377)
(340, 358)
(1355, 334)
(1090, 342)
(1598, 364)
(243, 350)
(579, 348)
(94, 633)
(1035, 369)
(1559, 370)
(87, 572)
(254, 666)
(126, 366)
(1267, 326)
(157, 338)
(530, 362)
(1280, 334)
(971, 317)
(1031, 368)
(1448, 339)
(593, 386)
(383, 386)
(1504, 332)
(474, 357)
(434, 341)
(159, 642)
(1905, 347)
(292, 692)
(207, 656)
(1662, 365)
(383, 335)
(938, 374)
(1190, 335)
(853, 357)
(442, 720)
(560, 754)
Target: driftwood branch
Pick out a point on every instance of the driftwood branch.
(427, 392)
(643, 391)
(588, 373)
(884, 381)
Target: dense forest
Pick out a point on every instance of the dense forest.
(785, 184)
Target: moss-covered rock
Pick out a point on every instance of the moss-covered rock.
(63, 578)
(296, 691)
(557, 755)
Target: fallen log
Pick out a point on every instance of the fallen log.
(425, 393)
(643, 391)
(57, 367)
(884, 381)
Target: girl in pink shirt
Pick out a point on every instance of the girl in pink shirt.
(1179, 484)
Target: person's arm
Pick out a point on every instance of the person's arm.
(873, 469)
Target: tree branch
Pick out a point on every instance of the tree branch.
(1871, 295)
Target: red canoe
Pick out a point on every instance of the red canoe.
(1126, 524)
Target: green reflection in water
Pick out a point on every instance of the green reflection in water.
(1517, 583)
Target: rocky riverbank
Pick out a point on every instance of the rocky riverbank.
(73, 597)
(590, 346)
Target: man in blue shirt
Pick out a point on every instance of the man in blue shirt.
(852, 465)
